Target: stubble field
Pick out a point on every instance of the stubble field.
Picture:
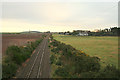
(18, 39)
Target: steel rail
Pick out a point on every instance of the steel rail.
(31, 69)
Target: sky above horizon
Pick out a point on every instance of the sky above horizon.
(58, 16)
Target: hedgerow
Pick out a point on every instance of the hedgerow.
(15, 56)
(77, 64)
(9, 69)
(62, 72)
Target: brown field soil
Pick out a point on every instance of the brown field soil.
(18, 39)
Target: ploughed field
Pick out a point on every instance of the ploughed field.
(18, 39)
(104, 47)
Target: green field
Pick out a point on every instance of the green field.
(105, 47)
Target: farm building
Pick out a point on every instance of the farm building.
(66, 33)
(81, 32)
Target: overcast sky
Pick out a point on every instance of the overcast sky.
(58, 16)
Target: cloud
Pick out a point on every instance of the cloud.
(12, 25)
(55, 16)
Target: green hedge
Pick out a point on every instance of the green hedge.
(9, 69)
(109, 71)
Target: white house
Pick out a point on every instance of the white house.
(66, 33)
(82, 34)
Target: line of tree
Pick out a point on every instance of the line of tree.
(115, 31)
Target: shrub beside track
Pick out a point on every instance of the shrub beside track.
(15, 56)
(67, 62)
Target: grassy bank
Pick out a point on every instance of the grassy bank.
(106, 48)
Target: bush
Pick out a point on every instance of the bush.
(15, 53)
(89, 74)
(16, 56)
(8, 70)
(58, 63)
(11, 50)
(109, 71)
(52, 59)
(43, 36)
(60, 71)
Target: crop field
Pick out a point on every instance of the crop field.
(104, 47)
(17, 39)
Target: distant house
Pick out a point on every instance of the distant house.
(81, 32)
(66, 33)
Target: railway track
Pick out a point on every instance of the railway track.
(35, 67)
(28, 75)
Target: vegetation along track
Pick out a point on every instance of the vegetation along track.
(38, 64)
